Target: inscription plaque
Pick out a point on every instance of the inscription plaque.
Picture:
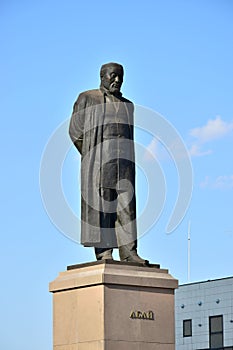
(148, 315)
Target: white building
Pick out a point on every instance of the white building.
(204, 315)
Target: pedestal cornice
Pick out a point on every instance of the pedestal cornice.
(113, 273)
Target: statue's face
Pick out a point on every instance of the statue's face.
(113, 79)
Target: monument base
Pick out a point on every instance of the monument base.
(112, 305)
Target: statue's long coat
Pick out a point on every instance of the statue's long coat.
(86, 131)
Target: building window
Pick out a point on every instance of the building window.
(187, 328)
(216, 331)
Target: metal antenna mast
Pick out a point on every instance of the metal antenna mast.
(189, 239)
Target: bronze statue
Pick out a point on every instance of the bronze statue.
(101, 128)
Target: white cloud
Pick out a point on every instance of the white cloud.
(222, 182)
(157, 150)
(152, 149)
(214, 129)
(205, 183)
(195, 151)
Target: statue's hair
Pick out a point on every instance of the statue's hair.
(105, 66)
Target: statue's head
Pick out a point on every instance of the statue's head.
(111, 75)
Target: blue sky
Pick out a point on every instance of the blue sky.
(178, 61)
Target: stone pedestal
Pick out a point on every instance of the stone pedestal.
(111, 305)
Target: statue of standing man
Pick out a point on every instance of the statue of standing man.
(101, 128)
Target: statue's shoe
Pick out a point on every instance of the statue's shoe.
(105, 256)
(136, 259)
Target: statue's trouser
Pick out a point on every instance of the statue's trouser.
(119, 219)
